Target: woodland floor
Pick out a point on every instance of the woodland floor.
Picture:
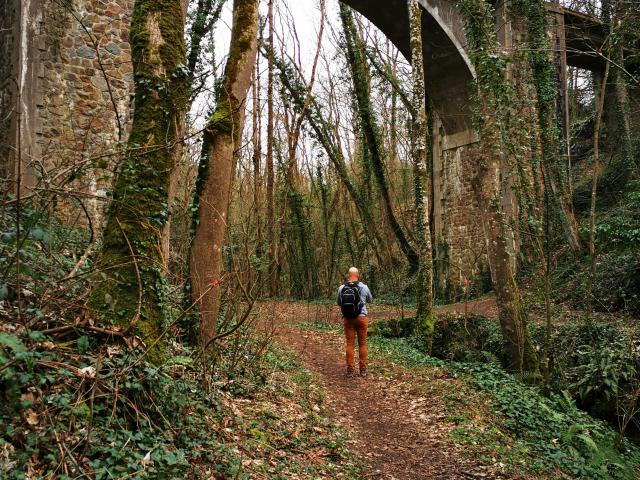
(399, 428)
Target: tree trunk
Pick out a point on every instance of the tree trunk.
(617, 115)
(491, 183)
(222, 137)
(361, 81)
(425, 320)
(205, 17)
(131, 261)
(271, 233)
(257, 174)
(557, 172)
(601, 95)
(257, 148)
(198, 30)
(489, 190)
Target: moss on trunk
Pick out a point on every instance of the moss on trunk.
(532, 15)
(131, 287)
(424, 281)
(503, 154)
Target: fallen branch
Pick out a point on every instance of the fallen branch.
(68, 328)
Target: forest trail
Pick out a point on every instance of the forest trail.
(485, 306)
(319, 313)
(398, 432)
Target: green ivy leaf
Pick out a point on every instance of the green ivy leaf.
(12, 342)
(40, 235)
(83, 344)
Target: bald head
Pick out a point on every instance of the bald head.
(354, 274)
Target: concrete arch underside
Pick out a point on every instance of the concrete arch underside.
(448, 70)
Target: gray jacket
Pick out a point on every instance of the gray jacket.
(365, 295)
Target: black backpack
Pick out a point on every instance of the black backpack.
(350, 300)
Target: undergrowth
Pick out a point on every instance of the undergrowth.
(78, 400)
(67, 413)
(524, 430)
(552, 431)
(616, 286)
(595, 363)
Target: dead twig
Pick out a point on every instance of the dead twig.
(68, 328)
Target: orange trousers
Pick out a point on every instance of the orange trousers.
(353, 326)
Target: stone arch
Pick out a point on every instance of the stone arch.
(448, 70)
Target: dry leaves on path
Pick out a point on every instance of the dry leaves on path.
(399, 433)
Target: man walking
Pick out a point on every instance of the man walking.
(353, 297)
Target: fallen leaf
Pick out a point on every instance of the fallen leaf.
(32, 417)
(113, 350)
(88, 372)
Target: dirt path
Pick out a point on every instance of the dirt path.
(485, 306)
(398, 434)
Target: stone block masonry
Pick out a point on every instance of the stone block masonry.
(84, 91)
(71, 60)
(81, 78)
(460, 259)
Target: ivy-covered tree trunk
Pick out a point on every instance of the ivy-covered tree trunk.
(617, 113)
(361, 80)
(131, 290)
(601, 95)
(222, 137)
(489, 190)
(500, 157)
(533, 14)
(205, 17)
(424, 282)
(269, 170)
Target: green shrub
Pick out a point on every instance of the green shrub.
(43, 248)
(596, 363)
(394, 327)
(468, 339)
(616, 286)
(474, 338)
(117, 417)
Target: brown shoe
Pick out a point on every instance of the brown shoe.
(363, 373)
(350, 374)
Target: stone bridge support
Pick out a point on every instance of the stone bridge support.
(557, 34)
(66, 89)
